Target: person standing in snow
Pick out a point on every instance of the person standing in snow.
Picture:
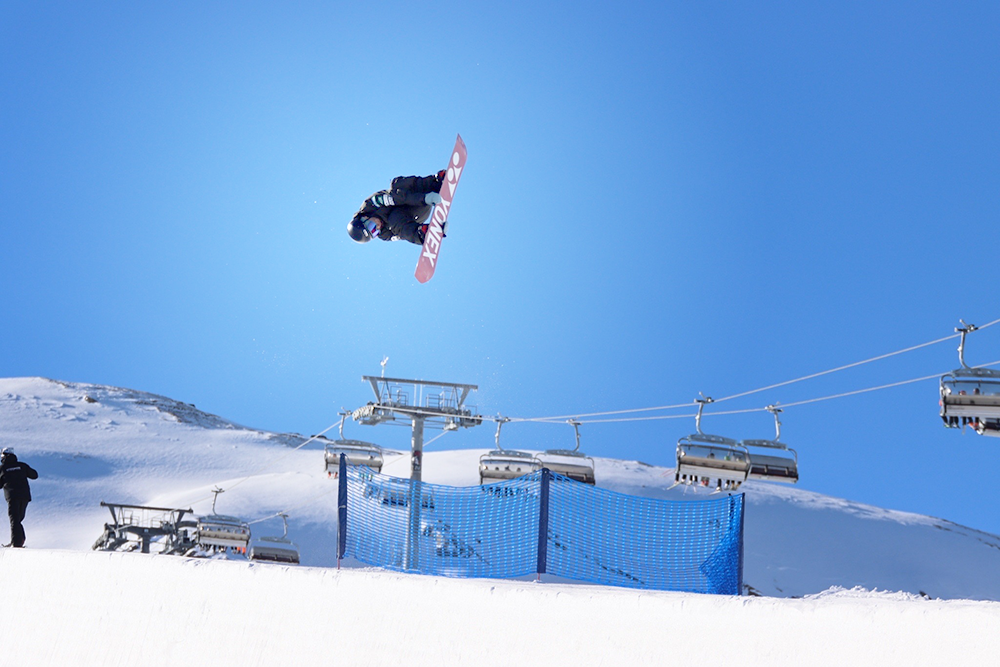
(401, 212)
(14, 476)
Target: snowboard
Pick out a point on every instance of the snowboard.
(431, 249)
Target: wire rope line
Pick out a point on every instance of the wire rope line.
(755, 391)
(884, 386)
(783, 405)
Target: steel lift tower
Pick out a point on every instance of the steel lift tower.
(421, 403)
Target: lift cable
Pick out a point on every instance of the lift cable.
(755, 391)
(783, 405)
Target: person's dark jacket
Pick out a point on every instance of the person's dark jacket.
(14, 476)
(402, 207)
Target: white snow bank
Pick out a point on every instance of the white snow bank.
(67, 607)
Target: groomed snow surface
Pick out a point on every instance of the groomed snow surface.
(842, 583)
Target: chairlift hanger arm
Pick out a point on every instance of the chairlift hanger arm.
(963, 330)
(702, 402)
(775, 410)
(500, 422)
(343, 416)
(576, 429)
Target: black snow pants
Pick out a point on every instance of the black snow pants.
(15, 510)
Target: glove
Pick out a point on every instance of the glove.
(432, 198)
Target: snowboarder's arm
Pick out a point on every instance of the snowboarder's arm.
(30, 472)
(380, 199)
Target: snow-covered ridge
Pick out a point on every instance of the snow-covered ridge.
(92, 443)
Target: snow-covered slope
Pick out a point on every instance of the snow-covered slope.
(111, 609)
(92, 443)
(65, 604)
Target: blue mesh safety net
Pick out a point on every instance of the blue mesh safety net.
(590, 534)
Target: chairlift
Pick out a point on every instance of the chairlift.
(358, 452)
(570, 463)
(503, 464)
(702, 457)
(777, 462)
(970, 396)
(275, 549)
(219, 531)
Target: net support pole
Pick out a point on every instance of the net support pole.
(743, 514)
(543, 523)
(341, 509)
(416, 495)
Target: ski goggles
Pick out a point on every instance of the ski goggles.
(371, 225)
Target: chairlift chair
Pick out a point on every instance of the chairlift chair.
(502, 464)
(221, 531)
(972, 393)
(357, 452)
(570, 463)
(706, 456)
(777, 462)
(969, 395)
(218, 530)
(275, 549)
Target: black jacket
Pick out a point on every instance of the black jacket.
(402, 207)
(14, 476)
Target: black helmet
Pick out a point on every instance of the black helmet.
(357, 230)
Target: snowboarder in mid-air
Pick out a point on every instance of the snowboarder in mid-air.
(401, 212)
(14, 476)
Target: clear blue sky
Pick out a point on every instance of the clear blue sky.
(661, 199)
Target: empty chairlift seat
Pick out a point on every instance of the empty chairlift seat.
(358, 453)
(499, 465)
(772, 461)
(274, 549)
(570, 463)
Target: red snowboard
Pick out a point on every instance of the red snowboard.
(435, 228)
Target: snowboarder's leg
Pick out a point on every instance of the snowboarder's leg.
(16, 510)
(422, 213)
